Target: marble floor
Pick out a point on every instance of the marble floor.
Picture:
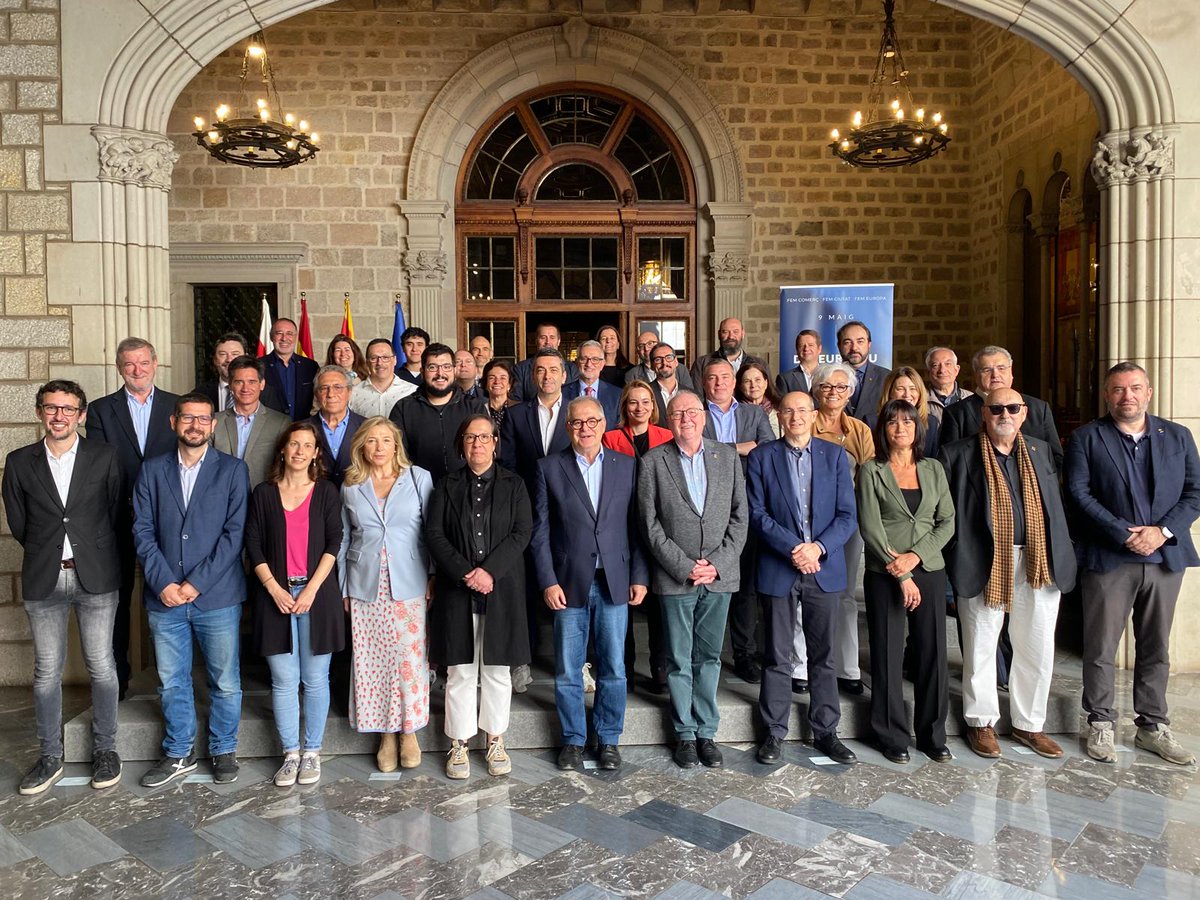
(1016, 827)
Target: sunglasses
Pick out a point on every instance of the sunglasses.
(1011, 408)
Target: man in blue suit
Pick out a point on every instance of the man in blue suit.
(588, 384)
(334, 421)
(189, 515)
(590, 569)
(802, 507)
(1133, 481)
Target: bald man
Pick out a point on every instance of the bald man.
(730, 335)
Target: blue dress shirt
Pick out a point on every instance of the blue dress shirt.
(140, 413)
(696, 477)
(724, 423)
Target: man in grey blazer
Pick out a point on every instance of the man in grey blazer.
(854, 343)
(250, 428)
(693, 516)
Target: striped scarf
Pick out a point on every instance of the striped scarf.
(998, 594)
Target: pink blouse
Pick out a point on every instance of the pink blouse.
(297, 539)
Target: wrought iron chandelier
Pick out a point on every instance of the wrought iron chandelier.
(257, 140)
(894, 132)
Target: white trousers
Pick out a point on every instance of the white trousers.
(465, 717)
(845, 649)
(1031, 629)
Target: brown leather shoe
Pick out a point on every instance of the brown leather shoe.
(983, 741)
(1039, 742)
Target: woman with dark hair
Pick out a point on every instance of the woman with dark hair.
(497, 384)
(637, 428)
(344, 351)
(615, 363)
(478, 526)
(293, 532)
(905, 383)
(755, 388)
(906, 517)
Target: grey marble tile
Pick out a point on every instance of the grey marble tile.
(936, 783)
(478, 796)
(930, 816)
(912, 866)
(558, 872)
(686, 890)
(339, 836)
(1164, 779)
(548, 796)
(1181, 846)
(746, 865)
(863, 822)
(162, 843)
(428, 834)
(1112, 855)
(1126, 810)
(1040, 815)
(124, 877)
(770, 822)
(1089, 779)
(1009, 779)
(860, 785)
(656, 868)
(1018, 857)
(637, 789)
(12, 850)
(487, 893)
(838, 863)
(1156, 881)
(782, 889)
(615, 833)
(251, 841)
(877, 887)
(686, 825)
(973, 886)
(529, 836)
(701, 792)
(783, 788)
(472, 870)
(402, 871)
(1074, 886)
(71, 847)
(954, 852)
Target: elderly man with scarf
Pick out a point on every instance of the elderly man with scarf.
(1011, 554)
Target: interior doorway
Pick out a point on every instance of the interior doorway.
(223, 308)
(574, 327)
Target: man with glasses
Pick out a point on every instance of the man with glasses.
(589, 384)
(334, 421)
(590, 570)
(190, 515)
(669, 377)
(693, 518)
(546, 337)
(289, 375)
(249, 429)
(466, 374)
(1011, 557)
(942, 365)
(62, 499)
(854, 344)
(429, 418)
(643, 371)
(383, 388)
(994, 371)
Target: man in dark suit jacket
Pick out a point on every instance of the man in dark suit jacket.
(590, 569)
(1014, 475)
(808, 354)
(229, 347)
(136, 421)
(334, 421)
(993, 371)
(62, 497)
(546, 337)
(589, 383)
(190, 514)
(1133, 482)
(854, 343)
(290, 375)
(802, 507)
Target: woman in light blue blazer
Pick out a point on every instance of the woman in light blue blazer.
(386, 588)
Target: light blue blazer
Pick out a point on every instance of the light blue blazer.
(398, 525)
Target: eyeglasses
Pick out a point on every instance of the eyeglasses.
(379, 359)
(655, 360)
(591, 359)
(67, 411)
(332, 388)
(690, 414)
(994, 370)
(1011, 408)
(577, 424)
(439, 367)
(188, 419)
(484, 439)
(835, 388)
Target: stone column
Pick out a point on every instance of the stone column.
(728, 266)
(430, 304)
(1045, 227)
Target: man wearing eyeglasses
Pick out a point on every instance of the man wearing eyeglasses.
(62, 499)
(643, 371)
(383, 388)
(693, 517)
(589, 383)
(590, 570)
(189, 518)
(993, 371)
(429, 418)
(669, 377)
(1011, 556)
(334, 421)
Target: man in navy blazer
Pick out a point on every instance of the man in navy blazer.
(590, 569)
(289, 375)
(334, 421)
(1133, 483)
(189, 516)
(136, 420)
(589, 384)
(802, 506)
(854, 343)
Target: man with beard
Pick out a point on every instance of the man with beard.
(429, 418)
(730, 335)
(854, 344)
(189, 516)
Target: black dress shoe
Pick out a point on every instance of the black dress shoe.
(832, 746)
(770, 751)
(685, 755)
(709, 753)
(747, 669)
(939, 754)
(570, 757)
(799, 686)
(609, 756)
(898, 755)
(850, 686)
(654, 686)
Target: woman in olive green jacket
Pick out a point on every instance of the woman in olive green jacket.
(906, 517)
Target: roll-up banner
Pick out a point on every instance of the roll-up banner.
(825, 308)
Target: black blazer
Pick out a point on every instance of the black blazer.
(969, 554)
(521, 440)
(872, 390)
(306, 374)
(39, 520)
(335, 468)
(269, 396)
(109, 422)
(964, 419)
(266, 542)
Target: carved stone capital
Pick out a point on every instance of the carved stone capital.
(425, 267)
(728, 269)
(128, 156)
(1117, 161)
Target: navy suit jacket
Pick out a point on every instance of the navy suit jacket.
(108, 420)
(608, 395)
(569, 535)
(521, 440)
(306, 374)
(1101, 504)
(775, 514)
(201, 544)
(872, 390)
(335, 467)
(523, 386)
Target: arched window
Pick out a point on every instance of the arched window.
(576, 205)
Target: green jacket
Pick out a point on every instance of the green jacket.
(885, 522)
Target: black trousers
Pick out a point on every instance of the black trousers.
(744, 604)
(127, 555)
(652, 607)
(927, 639)
(818, 611)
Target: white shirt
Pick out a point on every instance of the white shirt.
(61, 469)
(223, 401)
(548, 419)
(368, 401)
(188, 475)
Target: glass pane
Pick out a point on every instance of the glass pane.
(477, 252)
(502, 252)
(502, 335)
(575, 118)
(576, 268)
(575, 285)
(669, 331)
(604, 285)
(490, 272)
(576, 252)
(604, 253)
(504, 285)
(500, 161)
(548, 252)
(477, 284)
(661, 268)
(576, 182)
(648, 157)
(549, 285)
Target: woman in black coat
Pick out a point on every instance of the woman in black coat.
(293, 532)
(477, 529)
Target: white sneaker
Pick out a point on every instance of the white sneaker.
(310, 768)
(1101, 744)
(1161, 741)
(589, 683)
(497, 757)
(458, 764)
(521, 679)
(286, 776)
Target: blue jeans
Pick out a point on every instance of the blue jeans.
(606, 621)
(216, 631)
(287, 671)
(48, 619)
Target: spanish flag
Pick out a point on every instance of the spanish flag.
(347, 321)
(306, 347)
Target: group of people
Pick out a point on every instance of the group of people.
(437, 511)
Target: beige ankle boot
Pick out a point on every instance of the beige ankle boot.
(410, 751)
(386, 757)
